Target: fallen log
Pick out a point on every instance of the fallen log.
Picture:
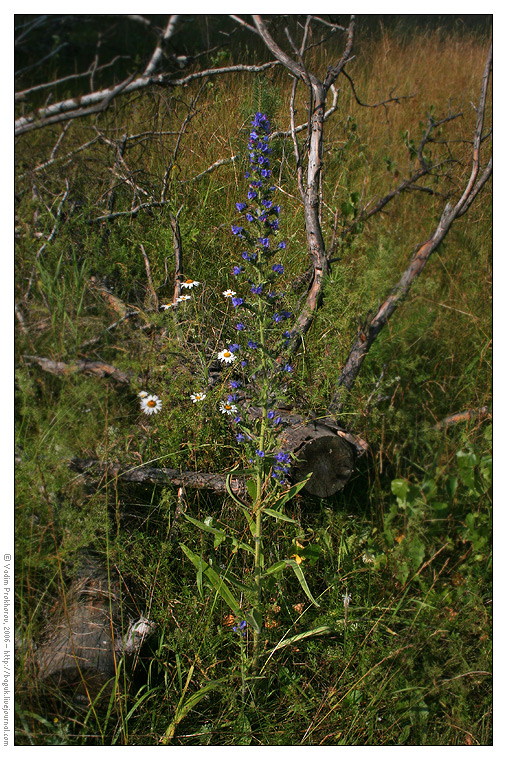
(145, 474)
(320, 446)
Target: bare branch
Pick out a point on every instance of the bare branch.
(146, 474)
(49, 239)
(98, 101)
(148, 276)
(157, 53)
(22, 94)
(64, 369)
(465, 416)
(366, 336)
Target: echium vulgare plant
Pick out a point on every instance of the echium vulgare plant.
(259, 376)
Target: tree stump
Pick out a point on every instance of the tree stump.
(78, 654)
(323, 449)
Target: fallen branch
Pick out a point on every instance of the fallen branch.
(63, 369)
(160, 475)
(373, 325)
(469, 414)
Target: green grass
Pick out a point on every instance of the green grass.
(412, 666)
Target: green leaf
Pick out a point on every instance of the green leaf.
(400, 487)
(305, 635)
(451, 485)
(254, 619)
(242, 731)
(302, 580)
(216, 581)
(279, 515)
(293, 490)
(220, 535)
(183, 709)
(275, 568)
(203, 526)
(230, 492)
(281, 565)
(251, 487)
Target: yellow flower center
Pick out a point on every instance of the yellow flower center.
(227, 406)
(151, 403)
(227, 354)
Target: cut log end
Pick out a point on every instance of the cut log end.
(328, 456)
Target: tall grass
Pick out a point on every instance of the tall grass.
(408, 539)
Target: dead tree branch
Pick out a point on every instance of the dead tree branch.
(370, 331)
(159, 475)
(468, 414)
(63, 369)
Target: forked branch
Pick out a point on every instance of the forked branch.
(476, 181)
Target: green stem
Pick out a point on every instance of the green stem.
(258, 499)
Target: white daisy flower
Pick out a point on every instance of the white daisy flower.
(199, 396)
(142, 394)
(151, 405)
(166, 306)
(229, 293)
(227, 408)
(227, 356)
(183, 298)
(190, 284)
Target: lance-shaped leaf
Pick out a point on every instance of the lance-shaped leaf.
(219, 534)
(217, 582)
(281, 565)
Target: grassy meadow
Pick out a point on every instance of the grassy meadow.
(399, 562)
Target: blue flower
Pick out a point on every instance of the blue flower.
(278, 268)
(240, 437)
(271, 414)
(249, 217)
(240, 326)
(237, 270)
(236, 301)
(264, 242)
(252, 194)
(234, 347)
(252, 344)
(240, 206)
(281, 245)
(237, 230)
(240, 628)
(235, 384)
(257, 289)
(288, 368)
(260, 453)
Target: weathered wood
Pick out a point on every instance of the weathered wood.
(143, 474)
(63, 369)
(78, 652)
(323, 451)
